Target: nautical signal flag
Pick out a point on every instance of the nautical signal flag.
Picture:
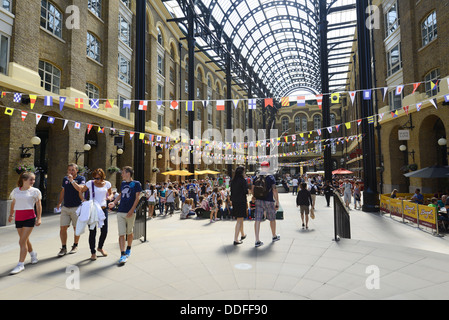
(33, 99)
(269, 102)
(174, 105)
(48, 101)
(301, 101)
(285, 102)
(352, 96)
(143, 105)
(371, 119)
(190, 106)
(434, 103)
(17, 97)
(62, 101)
(38, 118)
(394, 114)
(79, 103)
(9, 111)
(127, 104)
(77, 125)
(416, 86)
(236, 103)
(335, 98)
(399, 90)
(252, 104)
(51, 120)
(418, 106)
(319, 100)
(24, 115)
(94, 103)
(433, 85)
(406, 109)
(220, 105)
(366, 94)
(109, 104)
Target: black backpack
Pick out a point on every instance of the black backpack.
(260, 188)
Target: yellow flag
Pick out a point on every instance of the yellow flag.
(32, 101)
(348, 125)
(9, 111)
(141, 136)
(335, 98)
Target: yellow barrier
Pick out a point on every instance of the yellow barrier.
(421, 215)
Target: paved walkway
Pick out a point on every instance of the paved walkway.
(196, 260)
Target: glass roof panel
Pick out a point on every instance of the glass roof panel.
(280, 38)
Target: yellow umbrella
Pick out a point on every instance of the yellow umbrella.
(182, 173)
(208, 172)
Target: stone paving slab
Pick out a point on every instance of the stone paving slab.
(196, 260)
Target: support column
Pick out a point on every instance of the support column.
(191, 44)
(370, 194)
(139, 124)
(325, 87)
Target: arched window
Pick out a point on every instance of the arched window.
(285, 125)
(51, 18)
(93, 47)
(160, 39)
(50, 77)
(317, 122)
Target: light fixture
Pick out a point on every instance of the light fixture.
(403, 148)
(442, 142)
(35, 141)
(119, 152)
(159, 156)
(87, 147)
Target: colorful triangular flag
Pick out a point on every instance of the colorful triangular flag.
(62, 101)
(415, 87)
(24, 115)
(419, 106)
(109, 104)
(65, 124)
(319, 101)
(434, 103)
(385, 90)
(352, 94)
(38, 118)
(33, 99)
(236, 103)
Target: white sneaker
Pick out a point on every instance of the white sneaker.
(18, 269)
(34, 259)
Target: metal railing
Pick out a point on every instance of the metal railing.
(342, 221)
(140, 225)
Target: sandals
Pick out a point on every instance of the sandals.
(103, 252)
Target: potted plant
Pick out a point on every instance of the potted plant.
(113, 170)
(155, 170)
(413, 167)
(84, 171)
(24, 168)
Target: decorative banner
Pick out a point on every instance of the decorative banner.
(24, 115)
(335, 98)
(174, 105)
(301, 101)
(109, 104)
(33, 99)
(415, 87)
(285, 102)
(79, 103)
(38, 118)
(77, 125)
(352, 95)
(236, 103)
(9, 111)
(61, 102)
(17, 97)
(89, 127)
(252, 104)
(51, 120)
(319, 101)
(366, 94)
(65, 124)
(220, 105)
(399, 90)
(190, 106)
(127, 104)
(269, 102)
(143, 105)
(410, 211)
(427, 216)
(48, 101)
(95, 103)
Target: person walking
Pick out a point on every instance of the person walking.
(239, 191)
(328, 190)
(24, 199)
(129, 198)
(304, 202)
(347, 192)
(100, 192)
(72, 200)
(213, 205)
(170, 201)
(152, 194)
(357, 196)
(267, 200)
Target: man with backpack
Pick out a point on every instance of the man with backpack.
(267, 200)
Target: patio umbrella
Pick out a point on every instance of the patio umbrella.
(430, 172)
(211, 172)
(182, 173)
(342, 171)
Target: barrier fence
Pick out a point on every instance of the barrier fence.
(342, 221)
(421, 215)
(140, 226)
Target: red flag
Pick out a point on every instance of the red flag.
(415, 87)
(79, 103)
(269, 102)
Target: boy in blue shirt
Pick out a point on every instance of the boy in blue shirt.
(126, 216)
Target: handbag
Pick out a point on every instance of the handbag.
(312, 213)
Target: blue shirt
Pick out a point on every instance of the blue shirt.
(71, 195)
(128, 195)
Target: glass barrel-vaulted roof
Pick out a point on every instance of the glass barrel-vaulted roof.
(279, 40)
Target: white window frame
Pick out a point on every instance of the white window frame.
(55, 73)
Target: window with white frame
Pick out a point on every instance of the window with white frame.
(160, 64)
(285, 124)
(394, 60)
(391, 19)
(50, 77)
(160, 38)
(127, 3)
(95, 7)
(92, 91)
(51, 18)
(429, 28)
(93, 47)
(4, 54)
(124, 30)
(124, 69)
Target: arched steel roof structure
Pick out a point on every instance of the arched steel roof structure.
(275, 44)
